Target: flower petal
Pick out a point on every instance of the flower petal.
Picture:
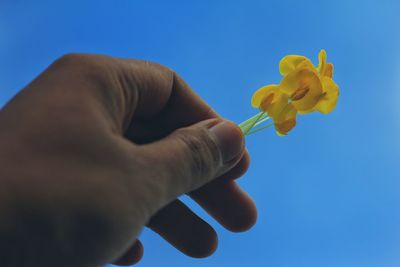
(324, 68)
(327, 103)
(261, 93)
(328, 70)
(307, 64)
(279, 102)
(322, 61)
(290, 62)
(283, 128)
(286, 119)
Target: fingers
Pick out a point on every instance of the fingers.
(192, 156)
(185, 108)
(133, 255)
(239, 169)
(228, 204)
(183, 229)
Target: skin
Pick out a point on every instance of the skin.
(96, 148)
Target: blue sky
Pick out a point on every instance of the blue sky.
(329, 193)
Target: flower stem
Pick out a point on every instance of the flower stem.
(250, 120)
(259, 129)
(257, 119)
(261, 121)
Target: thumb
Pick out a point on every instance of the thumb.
(192, 156)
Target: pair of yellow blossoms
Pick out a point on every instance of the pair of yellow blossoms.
(304, 88)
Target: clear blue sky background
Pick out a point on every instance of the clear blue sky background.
(329, 193)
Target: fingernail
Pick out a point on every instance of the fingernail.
(229, 139)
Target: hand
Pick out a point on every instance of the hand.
(96, 148)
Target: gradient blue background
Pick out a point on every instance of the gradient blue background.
(329, 193)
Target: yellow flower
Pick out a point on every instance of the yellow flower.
(276, 104)
(304, 88)
(310, 88)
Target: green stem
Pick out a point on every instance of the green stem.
(259, 129)
(261, 121)
(250, 120)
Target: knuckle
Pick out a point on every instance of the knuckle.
(152, 65)
(71, 59)
(202, 152)
(82, 64)
(91, 76)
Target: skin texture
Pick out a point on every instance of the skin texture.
(96, 148)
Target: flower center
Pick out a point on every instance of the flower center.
(299, 93)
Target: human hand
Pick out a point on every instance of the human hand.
(96, 148)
